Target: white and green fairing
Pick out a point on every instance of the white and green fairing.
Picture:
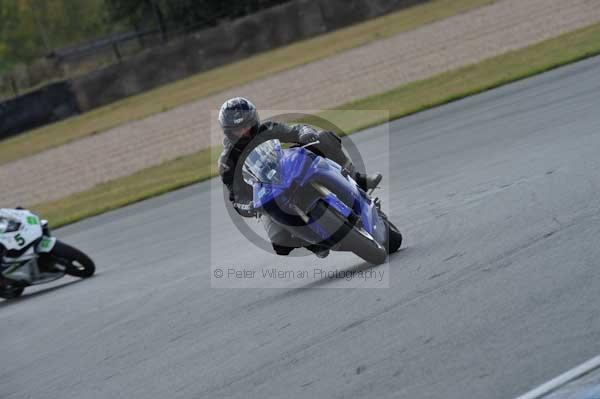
(20, 228)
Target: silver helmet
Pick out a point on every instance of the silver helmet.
(237, 116)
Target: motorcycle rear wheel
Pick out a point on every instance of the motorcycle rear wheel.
(11, 292)
(394, 236)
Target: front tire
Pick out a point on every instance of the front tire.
(351, 238)
(76, 263)
(365, 247)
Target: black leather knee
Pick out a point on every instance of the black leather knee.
(282, 250)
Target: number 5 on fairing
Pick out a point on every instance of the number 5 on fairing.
(20, 240)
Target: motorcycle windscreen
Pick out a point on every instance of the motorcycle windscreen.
(262, 164)
(9, 225)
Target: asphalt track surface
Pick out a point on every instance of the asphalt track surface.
(496, 291)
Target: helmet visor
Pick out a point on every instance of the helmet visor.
(237, 132)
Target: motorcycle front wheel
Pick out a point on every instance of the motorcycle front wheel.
(76, 263)
(352, 238)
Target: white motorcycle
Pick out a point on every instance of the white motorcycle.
(32, 256)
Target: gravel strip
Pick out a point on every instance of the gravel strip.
(444, 45)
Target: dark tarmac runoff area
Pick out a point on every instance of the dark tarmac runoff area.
(496, 291)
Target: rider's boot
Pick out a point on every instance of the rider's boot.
(368, 182)
(282, 250)
(320, 251)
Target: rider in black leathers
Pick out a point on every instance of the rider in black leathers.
(243, 131)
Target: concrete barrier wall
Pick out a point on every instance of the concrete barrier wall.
(226, 43)
(49, 104)
(340, 13)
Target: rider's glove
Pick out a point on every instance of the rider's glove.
(308, 136)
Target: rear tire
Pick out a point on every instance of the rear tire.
(77, 263)
(11, 292)
(394, 238)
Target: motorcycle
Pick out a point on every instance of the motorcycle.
(317, 201)
(32, 256)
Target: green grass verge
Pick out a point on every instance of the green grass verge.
(228, 76)
(402, 101)
(144, 184)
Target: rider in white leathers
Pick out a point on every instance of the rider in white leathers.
(19, 230)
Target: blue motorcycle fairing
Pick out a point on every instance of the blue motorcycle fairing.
(264, 192)
(351, 197)
(301, 167)
(338, 205)
(293, 163)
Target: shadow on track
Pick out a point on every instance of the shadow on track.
(354, 269)
(8, 302)
(293, 291)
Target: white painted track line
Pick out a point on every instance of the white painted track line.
(563, 379)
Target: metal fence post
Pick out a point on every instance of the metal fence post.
(160, 20)
(13, 85)
(115, 47)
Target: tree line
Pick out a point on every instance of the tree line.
(185, 14)
(30, 29)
